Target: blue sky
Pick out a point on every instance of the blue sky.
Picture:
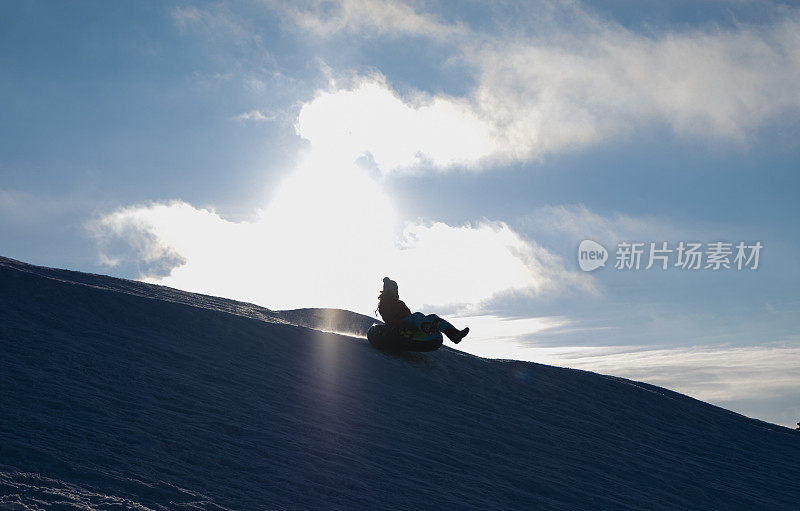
(292, 154)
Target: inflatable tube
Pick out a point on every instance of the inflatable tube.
(391, 339)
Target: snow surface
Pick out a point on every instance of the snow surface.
(121, 395)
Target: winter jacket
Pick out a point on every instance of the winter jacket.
(393, 310)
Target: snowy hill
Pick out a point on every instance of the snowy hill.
(118, 394)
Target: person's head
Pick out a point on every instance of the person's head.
(389, 289)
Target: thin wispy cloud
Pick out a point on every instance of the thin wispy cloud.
(255, 116)
(577, 222)
(723, 375)
(379, 17)
(218, 22)
(184, 15)
(23, 208)
(707, 372)
(553, 96)
(492, 330)
(19, 206)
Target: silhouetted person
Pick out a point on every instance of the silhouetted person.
(396, 314)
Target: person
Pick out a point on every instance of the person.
(396, 314)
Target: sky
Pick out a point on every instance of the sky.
(292, 154)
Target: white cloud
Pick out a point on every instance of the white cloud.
(385, 17)
(549, 96)
(220, 24)
(578, 222)
(255, 116)
(468, 264)
(490, 330)
(581, 82)
(329, 232)
(184, 15)
(400, 135)
(326, 239)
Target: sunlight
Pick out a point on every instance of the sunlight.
(371, 118)
(329, 232)
(326, 239)
(490, 327)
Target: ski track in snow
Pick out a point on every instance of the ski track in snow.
(116, 394)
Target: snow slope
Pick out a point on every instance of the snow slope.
(117, 394)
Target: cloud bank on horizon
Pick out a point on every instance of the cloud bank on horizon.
(751, 379)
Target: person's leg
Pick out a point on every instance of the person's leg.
(417, 319)
(447, 329)
(440, 323)
(414, 320)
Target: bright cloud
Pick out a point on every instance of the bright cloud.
(326, 239)
(547, 96)
(371, 118)
(490, 330)
(467, 264)
(567, 87)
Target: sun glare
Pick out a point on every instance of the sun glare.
(329, 232)
(372, 118)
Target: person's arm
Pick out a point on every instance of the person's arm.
(402, 309)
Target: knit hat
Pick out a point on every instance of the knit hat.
(389, 286)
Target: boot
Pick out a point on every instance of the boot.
(456, 335)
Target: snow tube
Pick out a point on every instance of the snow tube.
(403, 339)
